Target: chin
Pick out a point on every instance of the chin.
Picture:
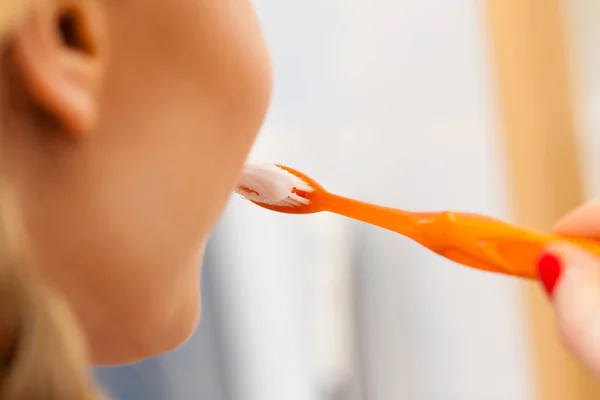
(149, 338)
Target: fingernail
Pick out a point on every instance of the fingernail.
(549, 270)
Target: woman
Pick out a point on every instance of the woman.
(123, 127)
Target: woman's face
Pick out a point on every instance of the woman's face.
(119, 214)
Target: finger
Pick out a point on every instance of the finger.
(571, 277)
(584, 221)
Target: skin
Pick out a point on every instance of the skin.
(122, 147)
(576, 296)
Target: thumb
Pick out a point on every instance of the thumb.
(571, 276)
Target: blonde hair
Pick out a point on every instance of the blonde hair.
(42, 350)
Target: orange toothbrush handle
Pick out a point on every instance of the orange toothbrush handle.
(473, 240)
(489, 244)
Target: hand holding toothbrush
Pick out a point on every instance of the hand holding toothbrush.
(571, 276)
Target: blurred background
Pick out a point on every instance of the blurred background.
(392, 102)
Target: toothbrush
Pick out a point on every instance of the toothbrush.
(469, 239)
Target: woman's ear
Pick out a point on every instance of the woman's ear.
(60, 53)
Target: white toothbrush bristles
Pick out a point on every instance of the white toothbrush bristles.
(271, 185)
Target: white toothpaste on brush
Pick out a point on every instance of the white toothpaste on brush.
(269, 184)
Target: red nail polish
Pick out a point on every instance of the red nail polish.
(549, 270)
